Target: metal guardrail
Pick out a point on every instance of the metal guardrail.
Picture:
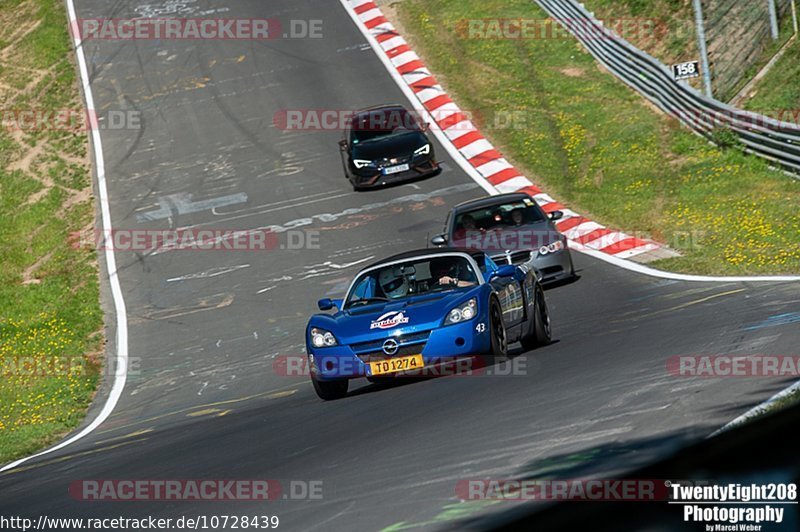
(773, 140)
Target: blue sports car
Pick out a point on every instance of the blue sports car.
(418, 308)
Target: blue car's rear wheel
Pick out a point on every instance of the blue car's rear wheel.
(330, 390)
(540, 334)
(497, 329)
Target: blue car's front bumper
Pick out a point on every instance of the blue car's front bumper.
(445, 343)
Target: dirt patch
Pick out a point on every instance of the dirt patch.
(33, 153)
(573, 72)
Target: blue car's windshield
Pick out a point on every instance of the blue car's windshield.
(415, 277)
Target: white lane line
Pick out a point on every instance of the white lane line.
(263, 210)
(646, 270)
(214, 272)
(501, 164)
(267, 289)
(121, 360)
(182, 203)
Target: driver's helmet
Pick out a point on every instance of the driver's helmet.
(441, 267)
(393, 285)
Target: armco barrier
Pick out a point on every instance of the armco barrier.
(776, 141)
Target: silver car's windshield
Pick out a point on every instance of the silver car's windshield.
(504, 216)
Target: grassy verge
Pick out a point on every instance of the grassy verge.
(790, 400)
(50, 318)
(674, 39)
(594, 144)
(777, 94)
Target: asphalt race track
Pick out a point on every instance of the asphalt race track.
(204, 400)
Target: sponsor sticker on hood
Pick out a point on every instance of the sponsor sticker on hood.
(389, 320)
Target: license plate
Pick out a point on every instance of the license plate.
(393, 365)
(395, 169)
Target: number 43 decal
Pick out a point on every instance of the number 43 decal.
(480, 327)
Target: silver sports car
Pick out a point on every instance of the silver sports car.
(513, 229)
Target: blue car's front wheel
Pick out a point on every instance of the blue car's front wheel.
(330, 390)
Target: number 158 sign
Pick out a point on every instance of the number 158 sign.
(687, 70)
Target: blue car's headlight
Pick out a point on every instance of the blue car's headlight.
(463, 312)
(322, 338)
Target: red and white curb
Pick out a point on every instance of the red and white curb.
(478, 152)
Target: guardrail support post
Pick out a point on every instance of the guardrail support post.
(701, 45)
(773, 19)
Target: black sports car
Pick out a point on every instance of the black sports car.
(386, 144)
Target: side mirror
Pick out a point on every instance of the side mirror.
(506, 270)
(555, 215)
(426, 126)
(343, 145)
(328, 304)
(439, 240)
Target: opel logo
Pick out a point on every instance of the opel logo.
(390, 346)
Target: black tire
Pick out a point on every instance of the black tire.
(541, 333)
(330, 390)
(498, 334)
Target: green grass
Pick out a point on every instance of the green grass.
(783, 403)
(593, 143)
(778, 92)
(50, 317)
(675, 38)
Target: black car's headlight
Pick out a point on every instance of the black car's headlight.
(425, 150)
(463, 312)
(361, 163)
(322, 338)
